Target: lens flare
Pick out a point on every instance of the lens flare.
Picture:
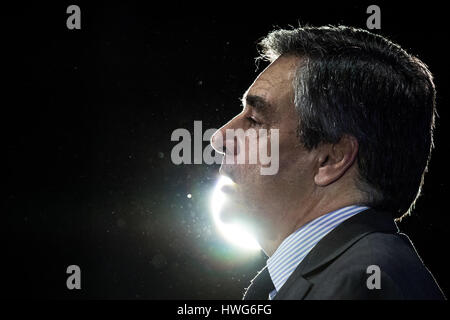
(234, 233)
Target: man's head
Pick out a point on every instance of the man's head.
(355, 115)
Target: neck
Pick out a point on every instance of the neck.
(303, 212)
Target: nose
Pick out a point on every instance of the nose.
(223, 144)
(217, 140)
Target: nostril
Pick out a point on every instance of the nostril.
(224, 149)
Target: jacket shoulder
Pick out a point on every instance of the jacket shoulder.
(378, 266)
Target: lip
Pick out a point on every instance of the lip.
(228, 189)
(225, 170)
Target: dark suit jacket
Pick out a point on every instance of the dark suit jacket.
(336, 268)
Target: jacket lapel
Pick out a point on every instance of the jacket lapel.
(332, 246)
(260, 286)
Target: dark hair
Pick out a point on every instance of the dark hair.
(358, 83)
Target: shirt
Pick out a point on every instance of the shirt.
(296, 246)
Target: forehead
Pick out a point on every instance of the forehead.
(276, 80)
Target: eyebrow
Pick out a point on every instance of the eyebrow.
(257, 102)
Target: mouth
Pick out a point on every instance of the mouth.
(225, 170)
(228, 185)
(228, 189)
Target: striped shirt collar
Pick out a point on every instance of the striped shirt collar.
(296, 246)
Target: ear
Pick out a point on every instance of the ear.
(335, 159)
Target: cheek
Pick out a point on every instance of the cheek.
(289, 149)
(278, 149)
(253, 151)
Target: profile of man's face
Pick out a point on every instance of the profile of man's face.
(262, 201)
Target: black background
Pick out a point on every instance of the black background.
(87, 118)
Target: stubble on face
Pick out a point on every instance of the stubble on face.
(266, 201)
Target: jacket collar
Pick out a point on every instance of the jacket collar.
(332, 246)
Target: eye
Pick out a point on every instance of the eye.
(252, 121)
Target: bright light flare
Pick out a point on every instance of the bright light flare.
(234, 233)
